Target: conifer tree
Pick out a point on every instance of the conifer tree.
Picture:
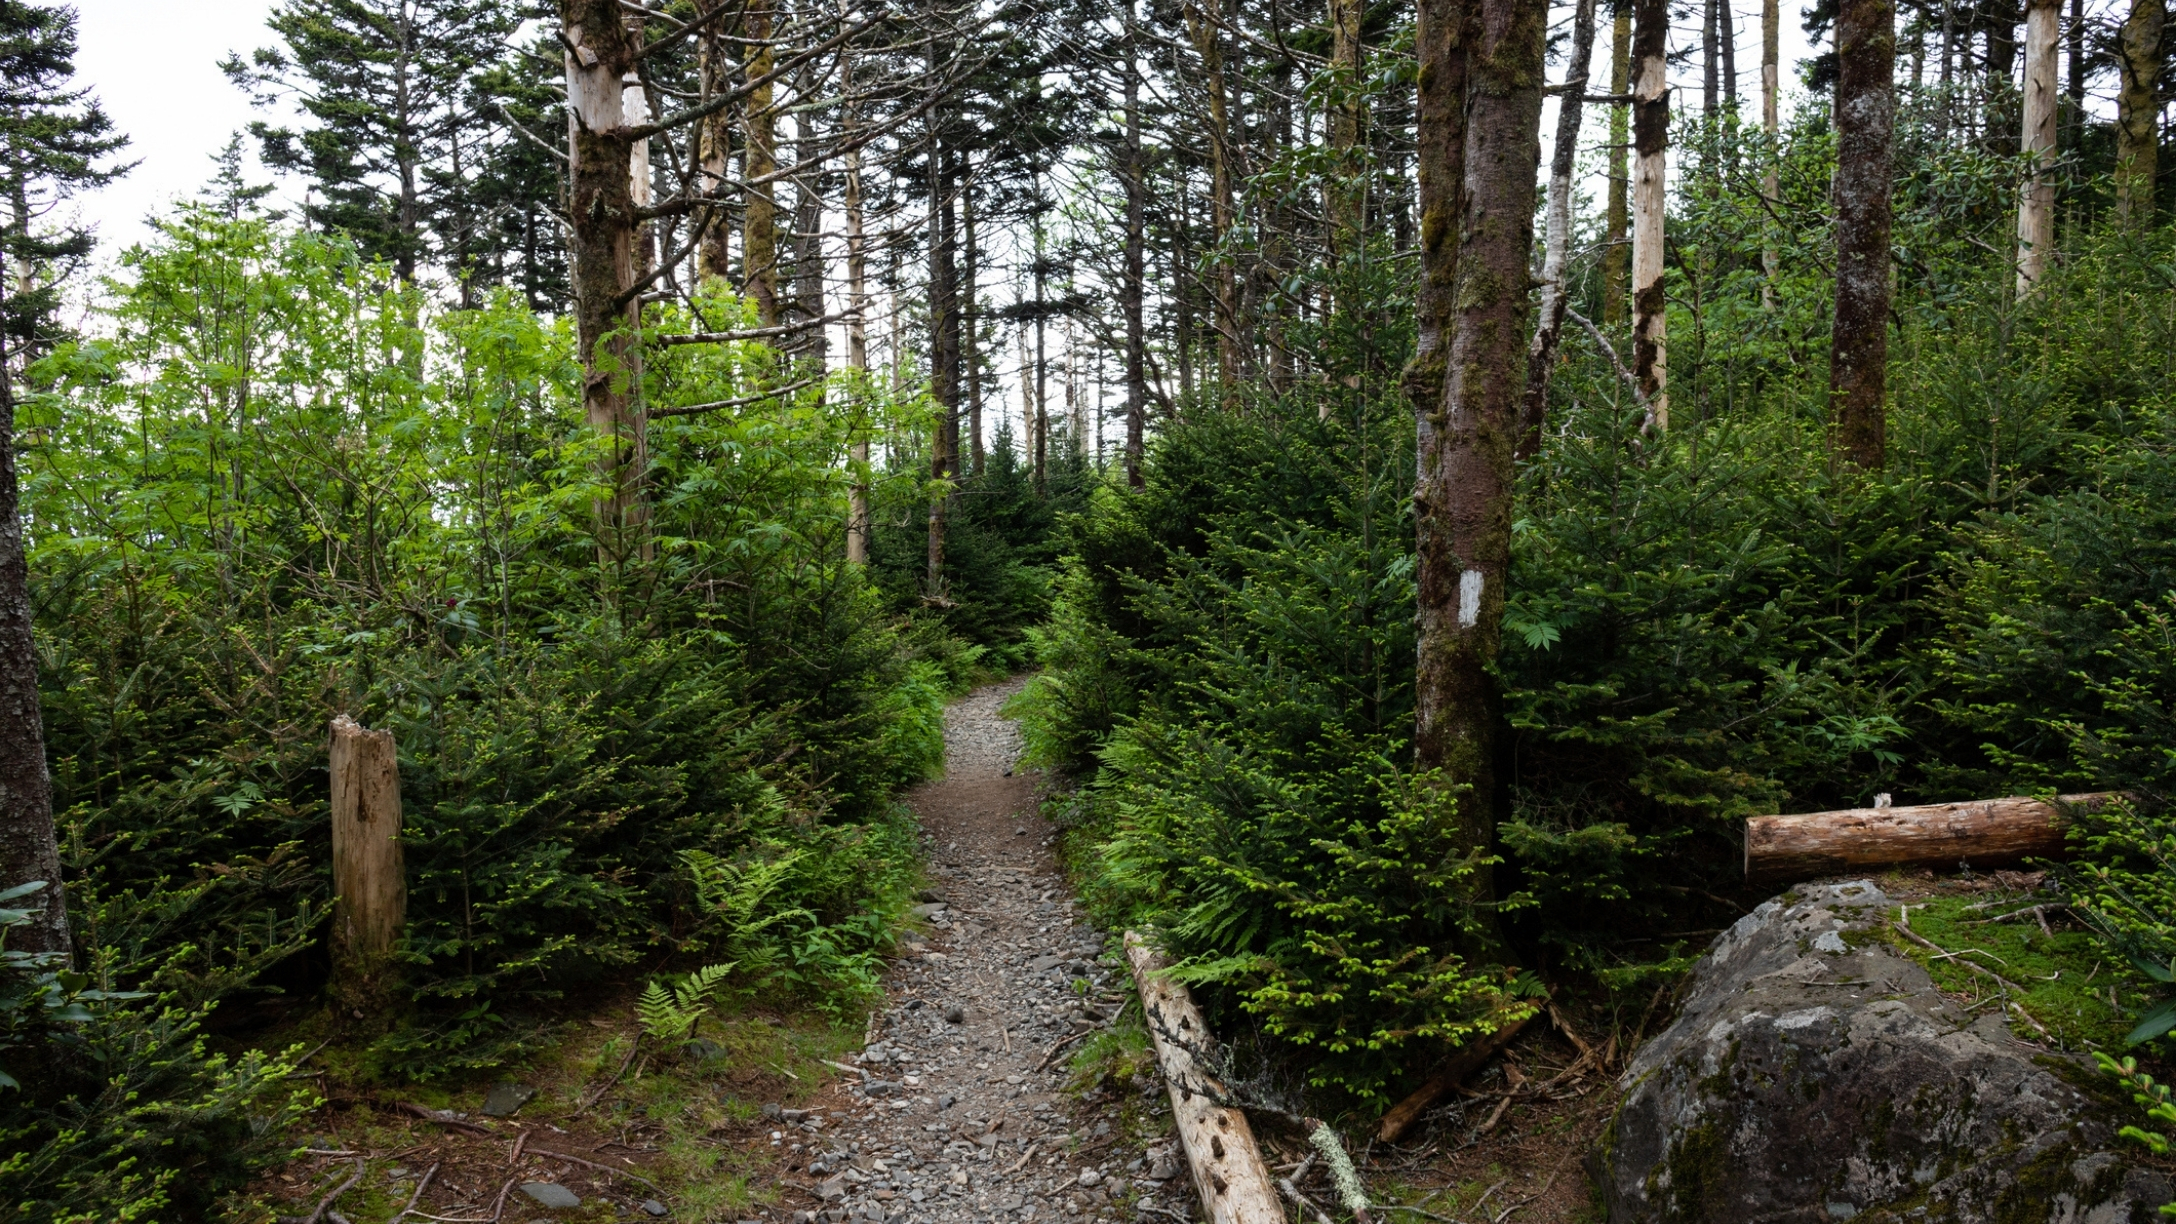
(385, 89)
(54, 143)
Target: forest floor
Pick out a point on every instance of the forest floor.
(999, 1081)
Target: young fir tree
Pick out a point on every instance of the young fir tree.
(385, 90)
(54, 143)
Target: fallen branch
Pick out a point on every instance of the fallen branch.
(1062, 1043)
(416, 1197)
(1235, 1185)
(326, 1203)
(1291, 1188)
(1025, 1157)
(1984, 832)
(442, 1118)
(598, 1095)
(591, 1164)
(1464, 1062)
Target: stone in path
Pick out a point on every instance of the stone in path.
(957, 1117)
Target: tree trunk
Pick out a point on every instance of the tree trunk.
(1042, 360)
(1984, 833)
(1555, 298)
(969, 347)
(1464, 489)
(1865, 125)
(713, 262)
(1727, 33)
(944, 310)
(2036, 208)
(1342, 194)
(29, 848)
(601, 248)
(369, 880)
(1650, 143)
(1134, 287)
(2138, 111)
(2075, 38)
(1771, 37)
(808, 239)
(1617, 256)
(857, 334)
(1711, 62)
(759, 225)
(1209, 44)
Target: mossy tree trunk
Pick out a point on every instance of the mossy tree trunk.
(1865, 124)
(2138, 111)
(1469, 374)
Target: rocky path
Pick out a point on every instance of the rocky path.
(957, 1110)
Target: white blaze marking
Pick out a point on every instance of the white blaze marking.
(1469, 598)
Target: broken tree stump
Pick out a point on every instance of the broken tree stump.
(1982, 832)
(1235, 1184)
(369, 879)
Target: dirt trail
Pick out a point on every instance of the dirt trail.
(958, 1115)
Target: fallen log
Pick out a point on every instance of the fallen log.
(1235, 1184)
(1981, 832)
(1465, 1060)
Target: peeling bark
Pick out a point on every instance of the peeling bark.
(1650, 143)
(601, 229)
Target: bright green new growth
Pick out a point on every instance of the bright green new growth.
(2155, 1097)
(671, 1014)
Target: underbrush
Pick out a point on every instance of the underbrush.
(277, 489)
(1703, 625)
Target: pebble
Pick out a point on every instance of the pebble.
(968, 1128)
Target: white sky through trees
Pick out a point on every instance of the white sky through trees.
(154, 64)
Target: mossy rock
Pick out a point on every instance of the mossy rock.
(1817, 1075)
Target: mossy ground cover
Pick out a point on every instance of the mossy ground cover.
(684, 1126)
(2044, 964)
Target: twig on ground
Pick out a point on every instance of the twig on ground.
(433, 1115)
(416, 1197)
(1062, 1043)
(1025, 1157)
(1496, 1115)
(324, 1204)
(593, 1165)
(1291, 1188)
(843, 1067)
(1164, 1211)
(598, 1095)
(1571, 1034)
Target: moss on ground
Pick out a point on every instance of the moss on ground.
(2061, 977)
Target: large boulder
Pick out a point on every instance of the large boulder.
(1816, 1075)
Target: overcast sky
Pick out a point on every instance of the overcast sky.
(155, 66)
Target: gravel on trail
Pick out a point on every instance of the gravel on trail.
(956, 1109)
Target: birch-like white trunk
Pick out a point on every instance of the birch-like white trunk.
(2036, 209)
